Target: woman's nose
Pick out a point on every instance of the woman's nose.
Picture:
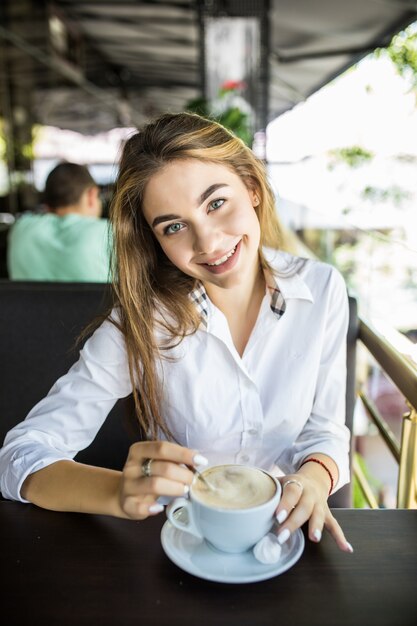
(206, 240)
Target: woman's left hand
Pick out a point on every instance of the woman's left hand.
(305, 498)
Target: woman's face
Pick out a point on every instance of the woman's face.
(203, 216)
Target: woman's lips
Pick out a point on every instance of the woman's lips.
(227, 265)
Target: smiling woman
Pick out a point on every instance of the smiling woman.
(233, 349)
(215, 235)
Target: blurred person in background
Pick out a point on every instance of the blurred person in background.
(69, 242)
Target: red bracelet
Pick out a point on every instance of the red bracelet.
(313, 460)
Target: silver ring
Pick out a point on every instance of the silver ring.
(146, 468)
(293, 481)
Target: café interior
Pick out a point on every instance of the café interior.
(90, 66)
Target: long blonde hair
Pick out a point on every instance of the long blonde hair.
(145, 282)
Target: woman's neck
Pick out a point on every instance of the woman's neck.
(240, 305)
(240, 297)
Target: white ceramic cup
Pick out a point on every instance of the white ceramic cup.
(229, 530)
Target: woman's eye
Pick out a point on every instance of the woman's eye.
(216, 204)
(172, 228)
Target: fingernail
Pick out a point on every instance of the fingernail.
(156, 508)
(317, 535)
(349, 547)
(283, 536)
(282, 516)
(199, 459)
(186, 489)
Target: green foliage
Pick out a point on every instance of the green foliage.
(353, 156)
(403, 53)
(199, 106)
(394, 194)
(359, 500)
(238, 122)
(230, 116)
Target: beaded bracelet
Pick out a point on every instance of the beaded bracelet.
(314, 460)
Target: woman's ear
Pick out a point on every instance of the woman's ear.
(254, 198)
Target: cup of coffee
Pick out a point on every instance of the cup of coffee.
(231, 507)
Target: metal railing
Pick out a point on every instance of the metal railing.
(403, 373)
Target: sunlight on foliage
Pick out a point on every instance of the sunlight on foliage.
(353, 156)
(394, 194)
(403, 53)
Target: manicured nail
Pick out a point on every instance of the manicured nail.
(349, 547)
(282, 516)
(199, 459)
(186, 489)
(317, 535)
(283, 536)
(156, 508)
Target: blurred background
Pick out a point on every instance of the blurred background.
(324, 92)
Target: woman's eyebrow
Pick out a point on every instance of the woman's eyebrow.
(164, 218)
(206, 194)
(209, 191)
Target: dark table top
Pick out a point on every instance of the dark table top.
(67, 568)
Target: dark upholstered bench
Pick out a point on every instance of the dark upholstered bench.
(39, 325)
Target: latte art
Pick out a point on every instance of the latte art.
(234, 487)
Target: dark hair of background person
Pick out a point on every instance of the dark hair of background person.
(65, 185)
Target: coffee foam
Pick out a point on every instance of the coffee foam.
(234, 487)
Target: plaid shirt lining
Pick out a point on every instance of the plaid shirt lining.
(199, 296)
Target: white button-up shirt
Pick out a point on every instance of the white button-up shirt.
(281, 401)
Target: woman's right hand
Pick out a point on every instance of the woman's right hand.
(138, 494)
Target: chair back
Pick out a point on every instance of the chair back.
(39, 326)
(343, 497)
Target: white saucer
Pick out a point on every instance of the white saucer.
(200, 559)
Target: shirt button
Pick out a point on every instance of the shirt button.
(244, 458)
(253, 431)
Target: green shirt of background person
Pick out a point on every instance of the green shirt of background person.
(69, 242)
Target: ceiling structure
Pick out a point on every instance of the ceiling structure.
(92, 65)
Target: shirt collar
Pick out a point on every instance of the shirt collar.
(282, 284)
(200, 298)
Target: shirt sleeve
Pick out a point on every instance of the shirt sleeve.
(325, 430)
(69, 417)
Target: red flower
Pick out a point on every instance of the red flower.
(231, 85)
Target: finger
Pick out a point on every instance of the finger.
(140, 509)
(334, 528)
(295, 520)
(140, 501)
(165, 451)
(291, 494)
(172, 471)
(297, 517)
(315, 524)
(167, 469)
(156, 486)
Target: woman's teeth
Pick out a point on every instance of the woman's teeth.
(225, 257)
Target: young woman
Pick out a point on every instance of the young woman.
(234, 350)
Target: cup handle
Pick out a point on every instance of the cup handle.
(188, 526)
